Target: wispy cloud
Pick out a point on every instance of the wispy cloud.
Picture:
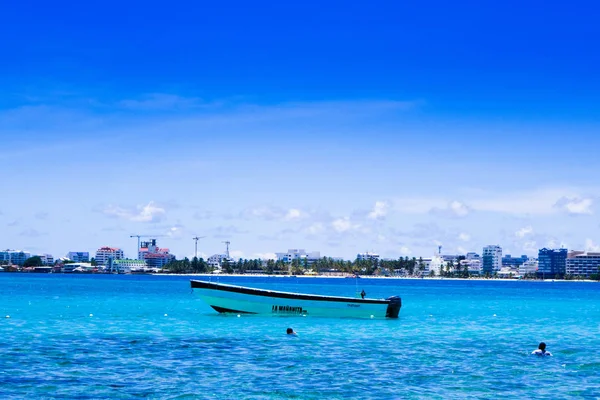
(161, 101)
(591, 246)
(344, 224)
(15, 222)
(226, 232)
(33, 233)
(575, 205)
(452, 209)
(42, 215)
(380, 210)
(141, 213)
(521, 233)
(273, 213)
(203, 215)
(464, 237)
(265, 256)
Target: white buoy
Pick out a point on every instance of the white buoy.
(91, 315)
(8, 316)
(239, 315)
(372, 316)
(494, 315)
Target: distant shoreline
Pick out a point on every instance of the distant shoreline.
(376, 277)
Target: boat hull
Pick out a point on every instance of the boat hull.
(242, 300)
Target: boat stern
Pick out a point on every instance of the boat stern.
(393, 308)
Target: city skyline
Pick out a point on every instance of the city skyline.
(392, 129)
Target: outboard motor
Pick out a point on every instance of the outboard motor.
(393, 308)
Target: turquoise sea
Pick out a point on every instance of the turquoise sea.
(95, 336)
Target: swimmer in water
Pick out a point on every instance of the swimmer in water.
(290, 331)
(541, 351)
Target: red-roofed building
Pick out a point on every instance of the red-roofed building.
(154, 256)
(104, 253)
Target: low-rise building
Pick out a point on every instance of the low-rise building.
(473, 266)
(453, 258)
(127, 266)
(509, 261)
(581, 263)
(79, 256)
(529, 267)
(215, 261)
(76, 267)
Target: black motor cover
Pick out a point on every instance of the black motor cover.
(393, 308)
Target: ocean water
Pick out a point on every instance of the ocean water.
(95, 336)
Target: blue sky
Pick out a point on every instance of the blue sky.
(334, 126)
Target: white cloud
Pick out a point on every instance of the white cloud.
(236, 254)
(591, 246)
(265, 256)
(575, 205)
(142, 213)
(541, 201)
(175, 232)
(459, 209)
(160, 101)
(530, 246)
(273, 213)
(535, 202)
(344, 225)
(316, 228)
(379, 211)
(293, 214)
(418, 205)
(465, 237)
(521, 233)
(405, 251)
(452, 209)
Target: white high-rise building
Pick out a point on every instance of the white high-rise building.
(299, 254)
(367, 256)
(104, 253)
(435, 265)
(47, 259)
(491, 259)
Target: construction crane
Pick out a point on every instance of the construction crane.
(227, 243)
(143, 236)
(196, 238)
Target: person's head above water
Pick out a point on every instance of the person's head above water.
(290, 331)
(542, 346)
